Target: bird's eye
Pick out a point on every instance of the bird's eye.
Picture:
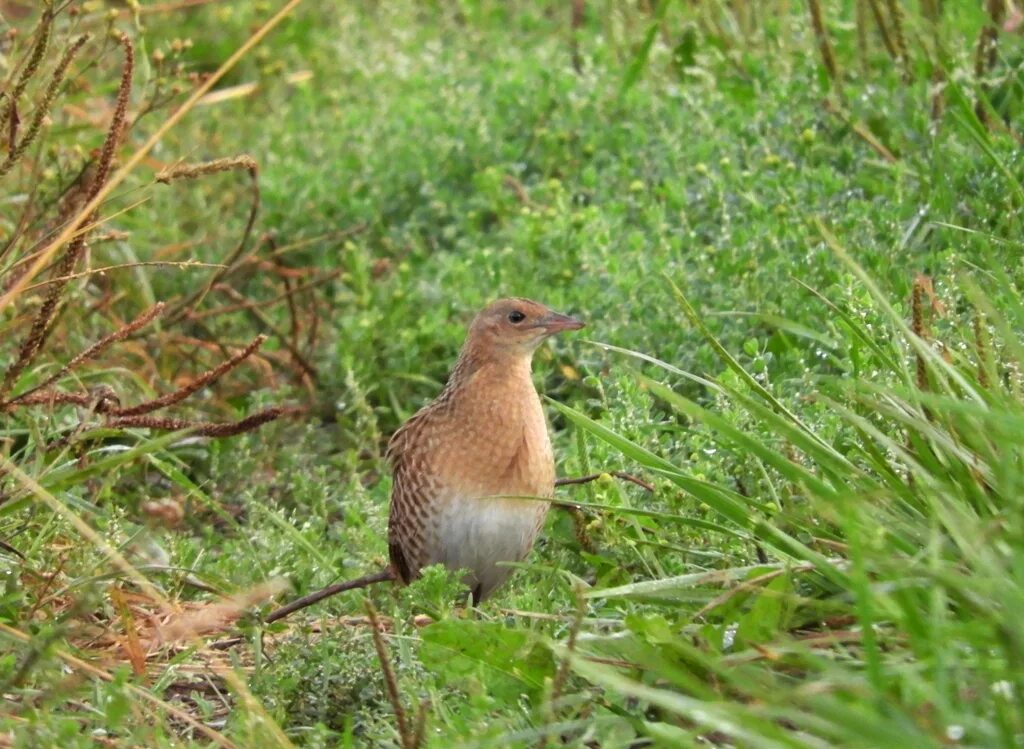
(515, 317)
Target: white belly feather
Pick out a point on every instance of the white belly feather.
(477, 534)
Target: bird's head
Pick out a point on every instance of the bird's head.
(516, 327)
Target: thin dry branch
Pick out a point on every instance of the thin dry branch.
(917, 325)
(985, 56)
(899, 39)
(420, 729)
(595, 476)
(883, 30)
(17, 150)
(861, 23)
(198, 428)
(10, 106)
(93, 351)
(52, 398)
(390, 681)
(577, 16)
(192, 171)
(828, 57)
(562, 675)
(41, 324)
(197, 384)
(862, 131)
(982, 349)
(101, 270)
(387, 575)
(255, 311)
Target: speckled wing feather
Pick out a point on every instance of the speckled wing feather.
(411, 493)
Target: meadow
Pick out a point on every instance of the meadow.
(240, 244)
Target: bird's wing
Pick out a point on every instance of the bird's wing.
(411, 494)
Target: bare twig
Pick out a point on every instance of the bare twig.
(390, 681)
(862, 34)
(197, 384)
(331, 590)
(883, 30)
(420, 729)
(199, 428)
(93, 351)
(576, 18)
(10, 108)
(986, 55)
(862, 130)
(265, 320)
(899, 38)
(917, 325)
(17, 150)
(828, 57)
(191, 171)
(181, 264)
(562, 675)
(981, 348)
(595, 476)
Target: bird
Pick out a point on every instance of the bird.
(463, 463)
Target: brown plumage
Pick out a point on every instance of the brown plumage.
(459, 460)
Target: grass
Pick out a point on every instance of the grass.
(803, 311)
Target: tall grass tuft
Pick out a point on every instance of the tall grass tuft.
(887, 611)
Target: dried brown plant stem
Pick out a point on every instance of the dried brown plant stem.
(100, 270)
(932, 10)
(828, 57)
(577, 15)
(306, 601)
(862, 34)
(985, 56)
(9, 108)
(92, 352)
(862, 131)
(197, 428)
(883, 30)
(43, 107)
(390, 681)
(264, 319)
(193, 171)
(899, 39)
(917, 325)
(982, 349)
(72, 225)
(595, 476)
(33, 342)
(197, 384)
(562, 675)
(284, 297)
(420, 729)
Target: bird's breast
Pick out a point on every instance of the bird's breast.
(501, 447)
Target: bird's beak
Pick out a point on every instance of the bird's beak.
(555, 323)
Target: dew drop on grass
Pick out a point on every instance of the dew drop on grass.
(729, 636)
